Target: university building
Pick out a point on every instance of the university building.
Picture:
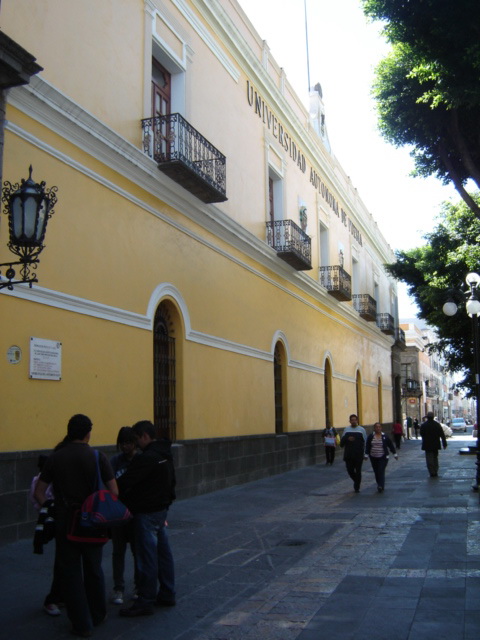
(209, 265)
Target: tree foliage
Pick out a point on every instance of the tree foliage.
(428, 88)
(435, 272)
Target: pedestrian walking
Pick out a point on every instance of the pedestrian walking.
(72, 470)
(377, 448)
(148, 489)
(409, 426)
(329, 436)
(397, 433)
(432, 439)
(353, 442)
(416, 427)
(122, 536)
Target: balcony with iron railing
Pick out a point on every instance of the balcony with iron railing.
(400, 340)
(386, 323)
(411, 388)
(337, 282)
(291, 243)
(184, 155)
(366, 306)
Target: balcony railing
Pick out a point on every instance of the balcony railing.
(291, 243)
(366, 306)
(184, 155)
(411, 388)
(400, 340)
(386, 323)
(337, 282)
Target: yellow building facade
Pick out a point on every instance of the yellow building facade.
(209, 265)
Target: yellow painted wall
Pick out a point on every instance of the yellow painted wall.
(116, 237)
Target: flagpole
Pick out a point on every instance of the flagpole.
(306, 43)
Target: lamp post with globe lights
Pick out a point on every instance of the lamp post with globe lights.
(473, 309)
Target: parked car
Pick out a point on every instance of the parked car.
(446, 430)
(459, 424)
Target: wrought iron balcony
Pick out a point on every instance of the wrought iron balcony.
(337, 282)
(291, 243)
(411, 389)
(366, 306)
(400, 340)
(386, 323)
(184, 155)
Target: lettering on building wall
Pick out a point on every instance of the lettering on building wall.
(275, 127)
(263, 111)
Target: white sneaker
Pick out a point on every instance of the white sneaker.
(51, 609)
(117, 597)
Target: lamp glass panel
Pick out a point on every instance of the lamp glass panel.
(30, 208)
(42, 220)
(17, 217)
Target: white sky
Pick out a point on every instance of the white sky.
(344, 50)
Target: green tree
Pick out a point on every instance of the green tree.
(435, 272)
(428, 88)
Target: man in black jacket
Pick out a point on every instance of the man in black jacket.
(432, 434)
(148, 489)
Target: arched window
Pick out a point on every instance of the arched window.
(164, 365)
(327, 385)
(278, 377)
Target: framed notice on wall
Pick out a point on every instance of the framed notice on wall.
(45, 359)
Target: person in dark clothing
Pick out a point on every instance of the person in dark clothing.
(72, 470)
(432, 436)
(353, 442)
(377, 448)
(148, 489)
(122, 536)
(416, 427)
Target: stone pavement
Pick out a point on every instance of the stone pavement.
(300, 556)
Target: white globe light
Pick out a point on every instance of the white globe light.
(473, 307)
(472, 279)
(449, 308)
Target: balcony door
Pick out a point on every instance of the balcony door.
(161, 104)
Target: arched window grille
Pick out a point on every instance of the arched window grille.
(164, 375)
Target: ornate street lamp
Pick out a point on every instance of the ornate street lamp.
(28, 207)
(473, 310)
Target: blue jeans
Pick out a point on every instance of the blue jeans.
(153, 558)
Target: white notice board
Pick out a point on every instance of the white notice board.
(45, 359)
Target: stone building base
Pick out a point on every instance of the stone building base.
(202, 466)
